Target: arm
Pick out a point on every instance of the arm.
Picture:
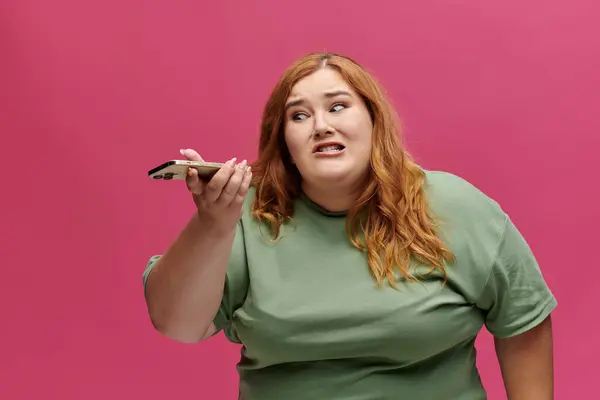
(518, 304)
(185, 287)
(526, 362)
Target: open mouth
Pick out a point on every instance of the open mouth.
(329, 148)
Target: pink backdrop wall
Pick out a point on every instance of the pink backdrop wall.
(93, 94)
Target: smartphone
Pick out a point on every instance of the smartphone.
(177, 169)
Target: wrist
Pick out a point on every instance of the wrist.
(209, 230)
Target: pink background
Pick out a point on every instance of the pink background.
(95, 93)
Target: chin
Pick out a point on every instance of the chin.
(334, 176)
(331, 172)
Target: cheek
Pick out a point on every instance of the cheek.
(292, 146)
(368, 136)
(363, 145)
(362, 133)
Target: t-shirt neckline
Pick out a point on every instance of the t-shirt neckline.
(315, 207)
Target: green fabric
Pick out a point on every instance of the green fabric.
(314, 324)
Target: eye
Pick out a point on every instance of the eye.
(337, 107)
(299, 116)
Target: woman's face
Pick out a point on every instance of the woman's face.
(328, 131)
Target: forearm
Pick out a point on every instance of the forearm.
(527, 365)
(185, 287)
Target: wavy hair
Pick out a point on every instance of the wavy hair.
(390, 220)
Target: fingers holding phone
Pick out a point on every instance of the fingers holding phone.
(219, 200)
(194, 184)
(191, 154)
(234, 184)
(238, 200)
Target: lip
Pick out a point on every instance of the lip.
(323, 144)
(329, 154)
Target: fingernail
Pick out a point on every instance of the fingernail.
(182, 151)
(249, 169)
(232, 162)
(242, 165)
(190, 172)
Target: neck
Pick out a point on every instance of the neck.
(332, 198)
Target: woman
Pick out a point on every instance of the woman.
(344, 269)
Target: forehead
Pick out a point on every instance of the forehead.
(323, 80)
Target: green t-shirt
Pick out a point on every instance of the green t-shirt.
(314, 324)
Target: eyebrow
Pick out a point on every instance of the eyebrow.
(331, 94)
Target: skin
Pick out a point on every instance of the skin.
(527, 365)
(322, 108)
(185, 288)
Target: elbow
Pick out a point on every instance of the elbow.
(176, 332)
(182, 337)
(179, 331)
(172, 324)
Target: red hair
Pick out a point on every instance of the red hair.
(390, 220)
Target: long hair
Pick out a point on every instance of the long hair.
(390, 220)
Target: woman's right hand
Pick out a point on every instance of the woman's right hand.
(219, 201)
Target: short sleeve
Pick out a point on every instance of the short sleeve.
(516, 297)
(235, 287)
(149, 266)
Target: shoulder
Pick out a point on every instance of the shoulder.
(445, 188)
(453, 197)
(470, 222)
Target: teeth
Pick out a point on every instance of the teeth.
(334, 147)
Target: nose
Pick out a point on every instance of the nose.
(322, 127)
